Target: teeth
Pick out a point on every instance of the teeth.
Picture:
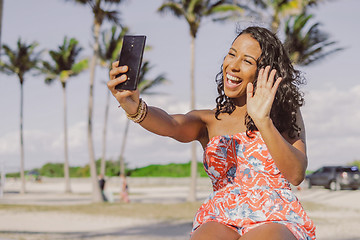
(232, 78)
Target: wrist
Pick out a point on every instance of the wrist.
(263, 124)
(140, 113)
(130, 107)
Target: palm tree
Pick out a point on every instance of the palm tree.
(306, 45)
(101, 13)
(282, 9)
(20, 61)
(108, 52)
(64, 65)
(193, 11)
(144, 86)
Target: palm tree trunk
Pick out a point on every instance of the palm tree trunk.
(22, 162)
(121, 158)
(123, 144)
(66, 155)
(275, 23)
(96, 192)
(1, 11)
(103, 161)
(192, 192)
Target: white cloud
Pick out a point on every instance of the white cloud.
(76, 136)
(9, 143)
(332, 118)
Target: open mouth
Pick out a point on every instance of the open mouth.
(233, 81)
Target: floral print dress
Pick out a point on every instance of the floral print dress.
(248, 188)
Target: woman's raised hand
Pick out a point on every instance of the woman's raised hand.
(259, 104)
(128, 100)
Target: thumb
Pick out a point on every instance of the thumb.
(249, 90)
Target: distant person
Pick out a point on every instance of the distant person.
(124, 192)
(102, 182)
(253, 141)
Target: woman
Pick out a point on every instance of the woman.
(254, 142)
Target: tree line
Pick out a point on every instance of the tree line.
(304, 40)
(56, 170)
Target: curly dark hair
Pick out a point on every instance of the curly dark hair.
(288, 98)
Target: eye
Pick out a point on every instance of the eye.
(248, 62)
(231, 54)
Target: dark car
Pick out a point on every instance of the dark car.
(335, 177)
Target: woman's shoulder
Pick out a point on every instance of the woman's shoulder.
(206, 115)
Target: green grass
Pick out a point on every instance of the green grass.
(112, 169)
(168, 170)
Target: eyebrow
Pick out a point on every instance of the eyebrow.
(245, 54)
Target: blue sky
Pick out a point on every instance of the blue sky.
(332, 93)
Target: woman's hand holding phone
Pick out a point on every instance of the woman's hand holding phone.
(128, 100)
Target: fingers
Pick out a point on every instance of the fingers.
(114, 73)
(262, 77)
(266, 80)
(276, 85)
(115, 64)
(117, 70)
(126, 98)
(260, 80)
(114, 82)
(249, 90)
(270, 81)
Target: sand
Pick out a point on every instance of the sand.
(158, 210)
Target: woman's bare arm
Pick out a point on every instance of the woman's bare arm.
(182, 127)
(289, 154)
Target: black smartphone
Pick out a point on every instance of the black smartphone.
(131, 55)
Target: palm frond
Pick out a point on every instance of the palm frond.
(111, 44)
(319, 52)
(301, 21)
(48, 68)
(306, 46)
(49, 79)
(112, 16)
(225, 8)
(289, 6)
(144, 83)
(7, 69)
(9, 53)
(148, 84)
(260, 3)
(320, 57)
(78, 1)
(145, 68)
(195, 6)
(64, 62)
(21, 60)
(80, 66)
(114, 1)
(174, 8)
(225, 12)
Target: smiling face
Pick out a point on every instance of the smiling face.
(240, 65)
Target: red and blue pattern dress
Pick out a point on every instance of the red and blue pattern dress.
(248, 188)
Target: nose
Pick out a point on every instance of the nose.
(234, 65)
